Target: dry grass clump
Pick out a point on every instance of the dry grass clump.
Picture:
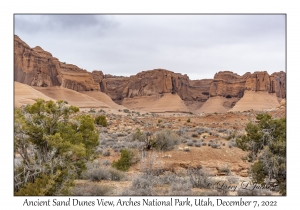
(90, 189)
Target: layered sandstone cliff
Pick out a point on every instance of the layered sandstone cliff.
(229, 84)
(36, 67)
(153, 82)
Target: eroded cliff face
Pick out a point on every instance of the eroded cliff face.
(229, 84)
(36, 67)
(153, 82)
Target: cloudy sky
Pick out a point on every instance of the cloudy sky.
(196, 45)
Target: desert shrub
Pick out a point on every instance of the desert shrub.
(106, 153)
(188, 120)
(126, 111)
(194, 140)
(199, 178)
(195, 135)
(124, 163)
(92, 110)
(106, 162)
(97, 174)
(159, 121)
(116, 148)
(165, 140)
(233, 179)
(88, 189)
(224, 169)
(184, 140)
(232, 143)
(138, 136)
(181, 187)
(190, 143)
(120, 134)
(116, 175)
(141, 186)
(201, 130)
(203, 144)
(197, 144)
(222, 130)
(181, 131)
(101, 120)
(113, 136)
(166, 179)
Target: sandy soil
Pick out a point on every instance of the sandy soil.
(217, 104)
(257, 101)
(167, 103)
(72, 97)
(25, 94)
(100, 96)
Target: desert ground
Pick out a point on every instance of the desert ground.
(206, 141)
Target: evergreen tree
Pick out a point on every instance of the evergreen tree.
(54, 145)
(266, 143)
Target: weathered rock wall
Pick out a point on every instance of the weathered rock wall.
(229, 84)
(36, 67)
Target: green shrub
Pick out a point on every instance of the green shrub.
(188, 120)
(126, 111)
(124, 163)
(54, 144)
(266, 143)
(101, 120)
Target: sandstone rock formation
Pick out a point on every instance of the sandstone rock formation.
(152, 82)
(262, 91)
(38, 68)
(229, 84)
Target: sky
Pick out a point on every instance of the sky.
(196, 45)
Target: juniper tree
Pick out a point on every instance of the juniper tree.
(54, 144)
(266, 143)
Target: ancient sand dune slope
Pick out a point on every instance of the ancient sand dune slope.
(140, 102)
(103, 98)
(217, 104)
(72, 97)
(167, 103)
(24, 94)
(259, 100)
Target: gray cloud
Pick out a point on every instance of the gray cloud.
(196, 45)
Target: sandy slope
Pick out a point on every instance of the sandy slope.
(257, 101)
(167, 103)
(139, 103)
(72, 97)
(100, 96)
(217, 104)
(25, 94)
